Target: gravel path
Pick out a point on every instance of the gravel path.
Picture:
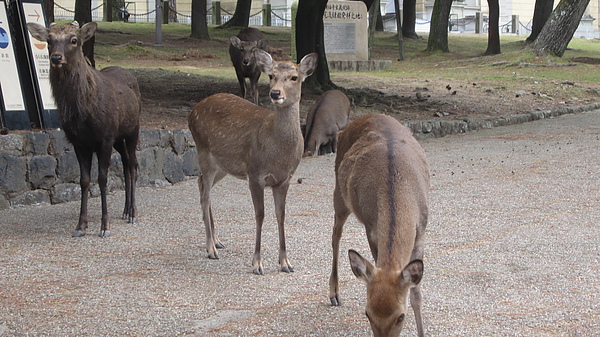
(512, 250)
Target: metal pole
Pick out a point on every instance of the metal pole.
(158, 18)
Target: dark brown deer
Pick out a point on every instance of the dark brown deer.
(324, 120)
(234, 136)
(242, 52)
(382, 177)
(98, 110)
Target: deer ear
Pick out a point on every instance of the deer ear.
(262, 44)
(412, 273)
(236, 42)
(38, 31)
(264, 61)
(361, 268)
(308, 64)
(87, 31)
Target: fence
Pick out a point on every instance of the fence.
(130, 13)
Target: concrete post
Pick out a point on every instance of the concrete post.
(266, 13)
(515, 24)
(216, 13)
(478, 22)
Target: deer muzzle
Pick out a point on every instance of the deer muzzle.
(57, 60)
(276, 97)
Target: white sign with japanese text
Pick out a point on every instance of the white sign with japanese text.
(39, 49)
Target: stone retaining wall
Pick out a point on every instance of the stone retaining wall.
(41, 167)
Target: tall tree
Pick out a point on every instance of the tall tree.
(541, 13)
(560, 27)
(373, 11)
(49, 10)
(309, 38)
(241, 16)
(493, 46)
(409, 19)
(83, 15)
(199, 23)
(438, 33)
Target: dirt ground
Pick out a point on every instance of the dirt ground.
(169, 96)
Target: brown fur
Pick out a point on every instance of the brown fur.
(324, 120)
(382, 177)
(234, 136)
(98, 110)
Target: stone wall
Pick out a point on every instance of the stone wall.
(41, 167)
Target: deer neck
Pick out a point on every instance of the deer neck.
(74, 88)
(286, 121)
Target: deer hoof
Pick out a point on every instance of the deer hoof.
(78, 233)
(104, 234)
(131, 220)
(219, 245)
(287, 269)
(213, 256)
(336, 301)
(258, 271)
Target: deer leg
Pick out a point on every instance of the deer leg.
(84, 157)
(132, 167)
(258, 199)
(218, 244)
(120, 147)
(279, 196)
(416, 301)
(204, 185)
(341, 215)
(103, 163)
(242, 81)
(254, 86)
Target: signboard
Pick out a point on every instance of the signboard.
(345, 31)
(34, 63)
(11, 90)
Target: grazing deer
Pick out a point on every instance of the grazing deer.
(98, 110)
(242, 52)
(234, 136)
(324, 120)
(382, 177)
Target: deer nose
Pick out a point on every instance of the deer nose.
(56, 59)
(275, 94)
(246, 62)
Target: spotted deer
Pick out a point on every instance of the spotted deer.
(234, 136)
(98, 110)
(382, 177)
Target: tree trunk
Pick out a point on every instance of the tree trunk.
(241, 16)
(83, 15)
(49, 10)
(438, 33)
(493, 47)
(373, 11)
(309, 38)
(173, 10)
(409, 19)
(541, 13)
(560, 27)
(199, 24)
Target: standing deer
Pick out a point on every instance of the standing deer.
(382, 177)
(324, 120)
(234, 136)
(242, 52)
(98, 110)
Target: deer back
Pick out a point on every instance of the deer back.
(382, 176)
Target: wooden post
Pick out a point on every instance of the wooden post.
(266, 15)
(216, 13)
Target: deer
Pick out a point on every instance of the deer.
(382, 177)
(242, 51)
(234, 136)
(97, 110)
(324, 120)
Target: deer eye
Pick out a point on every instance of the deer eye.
(400, 319)
(270, 76)
(74, 40)
(294, 78)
